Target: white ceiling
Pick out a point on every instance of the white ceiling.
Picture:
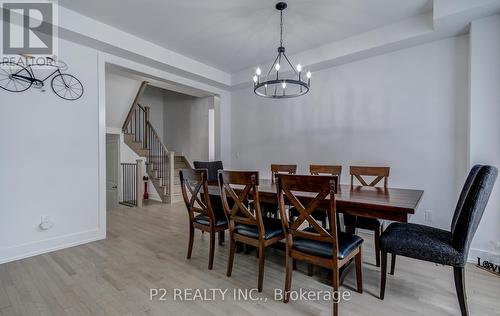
(232, 35)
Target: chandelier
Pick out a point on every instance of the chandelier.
(276, 86)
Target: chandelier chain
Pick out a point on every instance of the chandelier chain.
(281, 28)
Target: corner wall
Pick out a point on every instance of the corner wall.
(484, 134)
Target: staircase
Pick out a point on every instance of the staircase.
(162, 166)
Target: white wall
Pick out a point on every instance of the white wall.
(153, 97)
(485, 125)
(49, 163)
(406, 110)
(120, 93)
(186, 124)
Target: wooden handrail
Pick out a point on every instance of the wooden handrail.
(139, 94)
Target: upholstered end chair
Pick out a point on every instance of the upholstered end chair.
(449, 248)
(213, 168)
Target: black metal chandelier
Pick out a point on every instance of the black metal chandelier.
(274, 86)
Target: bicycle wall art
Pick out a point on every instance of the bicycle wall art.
(19, 76)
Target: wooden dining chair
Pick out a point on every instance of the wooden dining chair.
(352, 222)
(246, 225)
(282, 169)
(334, 170)
(202, 215)
(271, 209)
(314, 244)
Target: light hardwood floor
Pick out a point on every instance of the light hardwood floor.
(146, 248)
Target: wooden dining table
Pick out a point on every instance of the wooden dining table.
(392, 204)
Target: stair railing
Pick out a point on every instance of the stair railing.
(159, 159)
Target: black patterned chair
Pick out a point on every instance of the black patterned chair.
(449, 248)
(213, 168)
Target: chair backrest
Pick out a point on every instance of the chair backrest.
(318, 188)
(471, 205)
(195, 192)
(334, 170)
(279, 169)
(235, 205)
(380, 173)
(212, 166)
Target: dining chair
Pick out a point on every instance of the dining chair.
(314, 244)
(194, 185)
(322, 215)
(212, 166)
(449, 248)
(247, 225)
(334, 170)
(352, 222)
(282, 169)
(270, 209)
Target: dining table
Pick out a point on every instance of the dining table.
(393, 204)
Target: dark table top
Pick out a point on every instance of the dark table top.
(390, 204)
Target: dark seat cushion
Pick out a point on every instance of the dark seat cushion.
(421, 242)
(347, 243)
(204, 220)
(272, 226)
(362, 222)
(213, 168)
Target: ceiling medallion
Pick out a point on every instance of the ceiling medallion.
(275, 86)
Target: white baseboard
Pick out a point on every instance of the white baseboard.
(39, 247)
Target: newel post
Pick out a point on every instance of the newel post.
(138, 182)
(171, 171)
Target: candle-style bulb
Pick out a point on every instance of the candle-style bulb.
(283, 84)
(299, 68)
(308, 75)
(258, 71)
(277, 67)
(255, 79)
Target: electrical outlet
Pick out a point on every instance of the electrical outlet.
(428, 216)
(45, 223)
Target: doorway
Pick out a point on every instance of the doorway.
(112, 170)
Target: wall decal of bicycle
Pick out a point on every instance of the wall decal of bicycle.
(19, 77)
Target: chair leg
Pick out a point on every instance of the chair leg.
(393, 263)
(310, 269)
(383, 274)
(262, 255)
(288, 277)
(212, 250)
(335, 285)
(230, 258)
(359, 271)
(221, 238)
(459, 274)
(377, 246)
(191, 240)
